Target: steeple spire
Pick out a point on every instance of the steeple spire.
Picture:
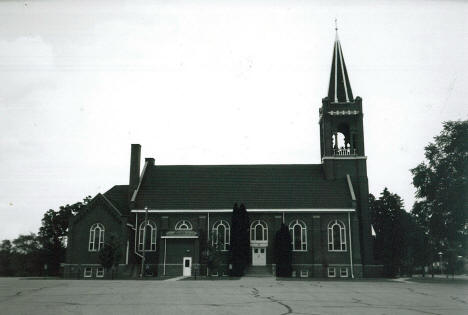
(340, 87)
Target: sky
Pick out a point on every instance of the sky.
(212, 82)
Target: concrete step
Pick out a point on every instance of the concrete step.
(258, 271)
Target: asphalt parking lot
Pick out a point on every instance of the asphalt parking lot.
(244, 296)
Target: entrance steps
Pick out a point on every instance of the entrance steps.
(258, 271)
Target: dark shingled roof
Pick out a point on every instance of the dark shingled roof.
(118, 196)
(299, 186)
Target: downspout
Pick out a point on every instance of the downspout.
(126, 254)
(208, 228)
(350, 246)
(208, 239)
(164, 264)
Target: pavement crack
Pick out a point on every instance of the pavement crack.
(359, 301)
(457, 299)
(256, 294)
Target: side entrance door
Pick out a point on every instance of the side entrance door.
(187, 267)
(258, 256)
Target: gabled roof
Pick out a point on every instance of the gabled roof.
(97, 201)
(118, 197)
(286, 186)
(339, 89)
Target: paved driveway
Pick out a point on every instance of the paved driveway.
(244, 296)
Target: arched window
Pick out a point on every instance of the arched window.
(336, 236)
(183, 225)
(258, 231)
(298, 231)
(147, 236)
(221, 234)
(96, 237)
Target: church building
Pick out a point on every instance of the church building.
(166, 215)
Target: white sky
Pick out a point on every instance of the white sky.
(212, 82)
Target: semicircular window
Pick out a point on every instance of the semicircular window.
(183, 225)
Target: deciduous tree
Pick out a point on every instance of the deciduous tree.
(442, 190)
(109, 255)
(53, 232)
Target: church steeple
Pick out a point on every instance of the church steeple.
(341, 127)
(339, 90)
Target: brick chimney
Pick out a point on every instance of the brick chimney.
(135, 158)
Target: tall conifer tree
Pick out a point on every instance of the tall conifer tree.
(245, 237)
(239, 240)
(283, 255)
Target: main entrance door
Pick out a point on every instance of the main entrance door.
(258, 256)
(187, 269)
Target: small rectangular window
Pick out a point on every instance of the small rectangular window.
(100, 272)
(88, 272)
(187, 263)
(344, 272)
(262, 250)
(331, 272)
(304, 273)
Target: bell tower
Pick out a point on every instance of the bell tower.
(341, 128)
(342, 143)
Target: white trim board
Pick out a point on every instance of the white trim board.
(344, 157)
(249, 210)
(179, 236)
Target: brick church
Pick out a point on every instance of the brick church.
(167, 214)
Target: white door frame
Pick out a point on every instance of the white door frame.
(187, 271)
(259, 256)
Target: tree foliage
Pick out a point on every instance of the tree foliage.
(214, 258)
(31, 254)
(23, 255)
(53, 233)
(400, 243)
(5, 258)
(441, 183)
(109, 255)
(283, 252)
(240, 240)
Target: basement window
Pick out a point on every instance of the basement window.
(304, 273)
(343, 272)
(331, 272)
(88, 272)
(100, 272)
